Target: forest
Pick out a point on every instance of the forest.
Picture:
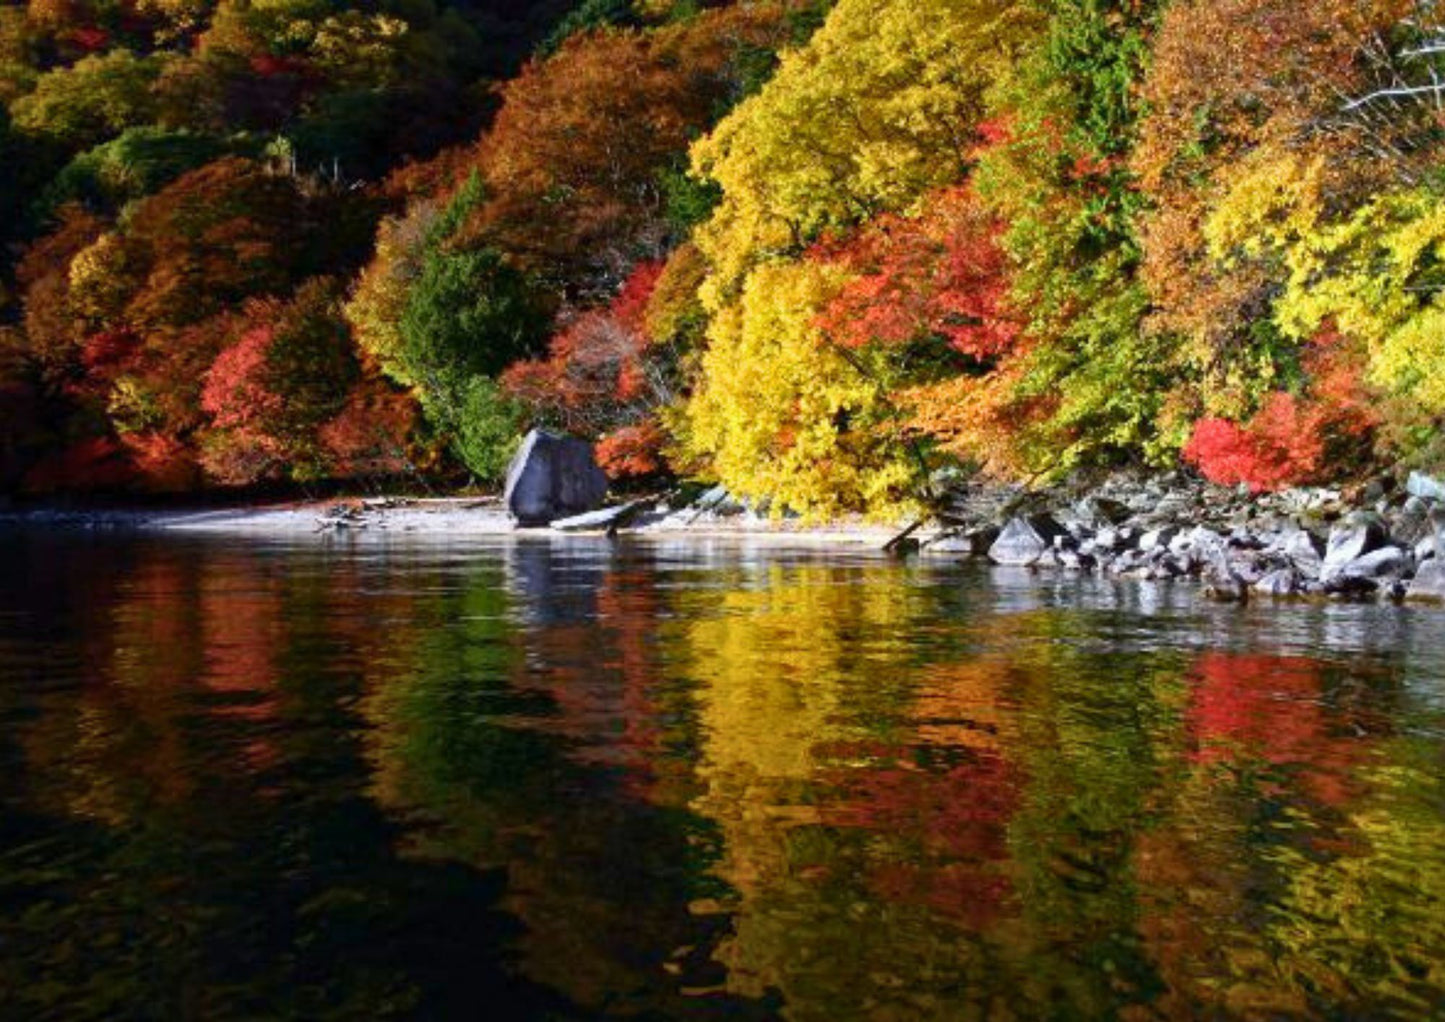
(826, 252)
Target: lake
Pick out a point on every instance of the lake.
(698, 779)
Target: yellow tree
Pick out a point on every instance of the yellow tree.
(780, 413)
(882, 104)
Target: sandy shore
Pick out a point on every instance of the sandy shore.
(456, 516)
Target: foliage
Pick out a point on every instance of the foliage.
(602, 379)
(883, 103)
(1237, 86)
(487, 428)
(575, 161)
(288, 397)
(588, 16)
(91, 101)
(938, 274)
(138, 163)
(782, 414)
(1373, 276)
(1054, 175)
(1028, 235)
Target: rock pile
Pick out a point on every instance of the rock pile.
(1297, 543)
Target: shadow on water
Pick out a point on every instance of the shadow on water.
(687, 778)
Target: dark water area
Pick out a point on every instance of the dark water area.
(694, 779)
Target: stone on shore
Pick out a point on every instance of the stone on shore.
(1305, 552)
(1386, 562)
(1281, 582)
(1225, 587)
(553, 477)
(1159, 538)
(1025, 539)
(1427, 487)
(1429, 582)
(970, 543)
(1354, 538)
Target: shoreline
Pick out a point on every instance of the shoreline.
(416, 516)
(1384, 542)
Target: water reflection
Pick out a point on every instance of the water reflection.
(575, 778)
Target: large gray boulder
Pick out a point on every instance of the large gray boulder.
(1025, 539)
(1357, 536)
(553, 477)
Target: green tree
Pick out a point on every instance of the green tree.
(91, 101)
(1058, 181)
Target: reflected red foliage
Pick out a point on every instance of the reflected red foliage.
(1272, 709)
(957, 819)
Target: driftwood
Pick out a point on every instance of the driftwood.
(897, 544)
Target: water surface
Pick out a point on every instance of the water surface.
(695, 779)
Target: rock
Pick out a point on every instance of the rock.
(1113, 539)
(1100, 512)
(717, 501)
(1245, 566)
(1025, 539)
(1429, 582)
(1437, 526)
(1157, 538)
(1352, 539)
(553, 477)
(1072, 560)
(1203, 539)
(1280, 582)
(1350, 587)
(1305, 551)
(953, 543)
(599, 521)
(1387, 562)
(1244, 538)
(1224, 588)
(1426, 487)
(969, 543)
(1373, 492)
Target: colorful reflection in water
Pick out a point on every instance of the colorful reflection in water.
(576, 779)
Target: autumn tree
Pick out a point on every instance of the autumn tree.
(604, 380)
(1088, 381)
(269, 393)
(574, 161)
(1237, 84)
(879, 108)
(95, 99)
(444, 319)
(883, 103)
(779, 413)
